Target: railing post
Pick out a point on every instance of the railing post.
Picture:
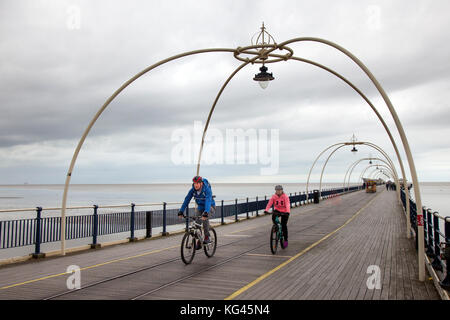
(221, 215)
(94, 244)
(37, 250)
(428, 236)
(247, 208)
(132, 238)
(236, 211)
(164, 231)
(446, 254)
(265, 200)
(148, 224)
(436, 264)
(257, 206)
(290, 203)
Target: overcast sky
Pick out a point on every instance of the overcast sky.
(61, 60)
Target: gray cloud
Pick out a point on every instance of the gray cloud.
(53, 80)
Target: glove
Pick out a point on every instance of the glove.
(180, 213)
(205, 214)
(266, 212)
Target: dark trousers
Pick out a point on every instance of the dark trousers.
(284, 220)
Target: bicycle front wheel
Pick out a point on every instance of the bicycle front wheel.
(274, 239)
(210, 248)
(187, 248)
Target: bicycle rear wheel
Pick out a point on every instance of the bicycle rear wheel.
(210, 248)
(281, 239)
(187, 248)
(274, 239)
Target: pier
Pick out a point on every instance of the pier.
(349, 246)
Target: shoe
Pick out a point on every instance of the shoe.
(206, 240)
(285, 244)
(199, 245)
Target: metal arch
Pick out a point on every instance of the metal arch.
(365, 170)
(412, 167)
(382, 171)
(374, 109)
(357, 162)
(97, 115)
(353, 166)
(360, 143)
(395, 176)
(385, 174)
(378, 174)
(370, 176)
(317, 158)
(370, 166)
(323, 168)
(381, 166)
(399, 128)
(349, 143)
(343, 79)
(313, 39)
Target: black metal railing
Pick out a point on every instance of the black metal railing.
(26, 232)
(437, 242)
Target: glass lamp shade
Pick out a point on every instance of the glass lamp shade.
(263, 84)
(263, 77)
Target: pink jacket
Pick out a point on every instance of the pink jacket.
(281, 203)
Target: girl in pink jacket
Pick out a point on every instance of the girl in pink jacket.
(282, 205)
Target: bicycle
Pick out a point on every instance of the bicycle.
(276, 235)
(193, 241)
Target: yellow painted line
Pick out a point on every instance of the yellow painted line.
(267, 255)
(86, 268)
(262, 277)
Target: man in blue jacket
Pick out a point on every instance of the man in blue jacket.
(206, 206)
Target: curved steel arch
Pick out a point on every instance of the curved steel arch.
(412, 167)
(360, 143)
(263, 55)
(359, 161)
(347, 82)
(370, 166)
(381, 171)
(354, 164)
(381, 166)
(100, 111)
(337, 75)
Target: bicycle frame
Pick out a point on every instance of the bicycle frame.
(195, 229)
(279, 228)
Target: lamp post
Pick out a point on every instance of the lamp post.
(262, 53)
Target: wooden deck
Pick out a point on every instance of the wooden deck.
(331, 246)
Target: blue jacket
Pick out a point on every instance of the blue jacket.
(203, 199)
